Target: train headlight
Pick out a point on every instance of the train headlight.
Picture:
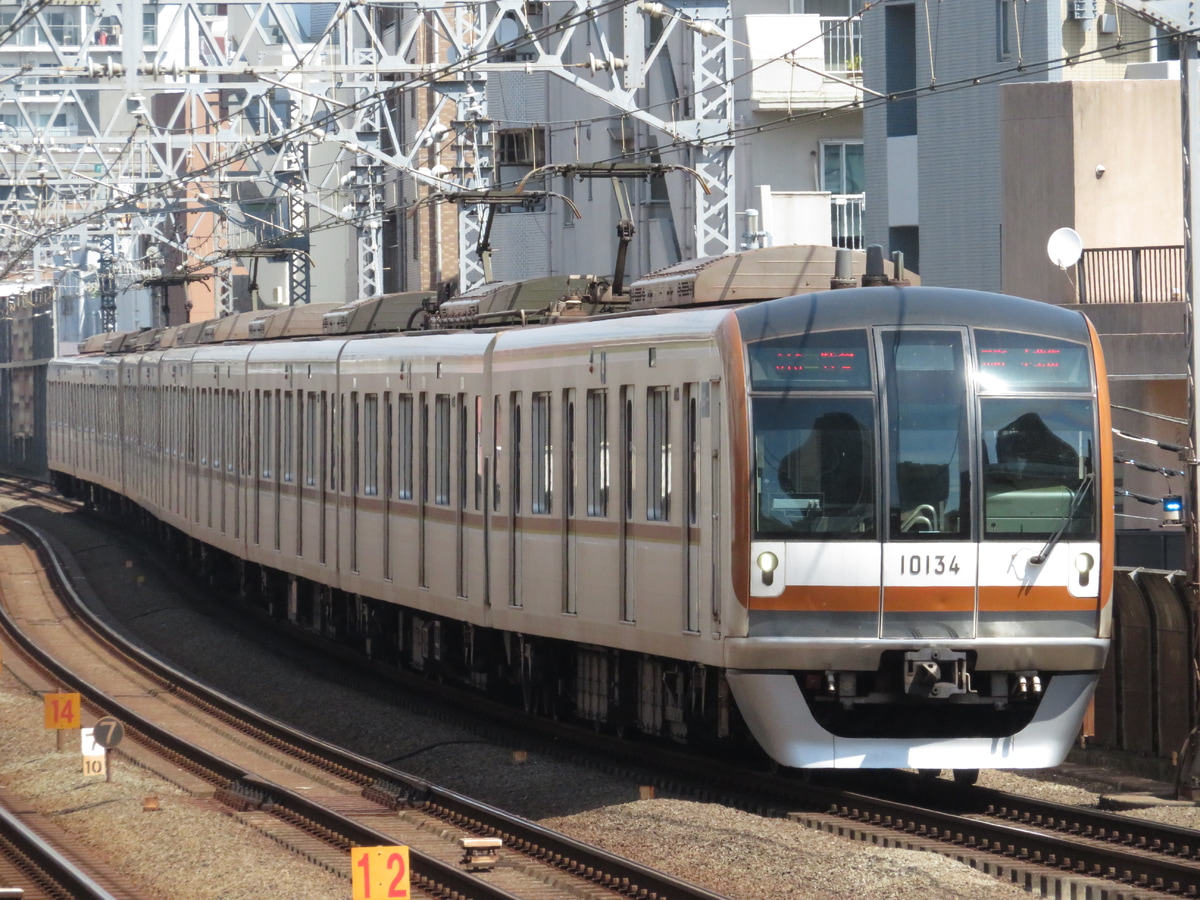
(1084, 563)
(768, 562)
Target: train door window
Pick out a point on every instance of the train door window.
(628, 448)
(231, 419)
(571, 447)
(190, 425)
(266, 432)
(355, 442)
(497, 430)
(929, 459)
(371, 445)
(441, 450)
(308, 471)
(515, 452)
(339, 437)
(204, 432)
(658, 454)
(692, 448)
(542, 472)
(478, 453)
(219, 425)
(404, 438)
(331, 404)
(287, 437)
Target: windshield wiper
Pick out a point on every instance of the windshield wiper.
(1044, 553)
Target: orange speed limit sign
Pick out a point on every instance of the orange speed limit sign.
(379, 873)
(62, 710)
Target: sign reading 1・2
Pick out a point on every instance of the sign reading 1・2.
(379, 873)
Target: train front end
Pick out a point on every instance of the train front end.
(928, 531)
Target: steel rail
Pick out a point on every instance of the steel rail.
(386, 784)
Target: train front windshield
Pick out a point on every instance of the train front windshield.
(842, 450)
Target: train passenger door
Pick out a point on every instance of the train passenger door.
(627, 465)
(570, 447)
(422, 488)
(710, 404)
(514, 499)
(929, 560)
(460, 502)
(691, 518)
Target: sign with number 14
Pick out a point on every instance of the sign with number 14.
(379, 873)
(61, 710)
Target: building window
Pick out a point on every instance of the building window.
(1004, 11)
(521, 147)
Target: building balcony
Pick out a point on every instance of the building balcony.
(846, 220)
(1131, 275)
(803, 61)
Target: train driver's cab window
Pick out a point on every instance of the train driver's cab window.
(1037, 467)
(1037, 451)
(814, 436)
(814, 468)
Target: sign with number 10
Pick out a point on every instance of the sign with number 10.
(379, 873)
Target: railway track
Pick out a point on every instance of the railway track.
(302, 790)
(1049, 849)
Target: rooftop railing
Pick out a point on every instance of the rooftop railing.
(1131, 275)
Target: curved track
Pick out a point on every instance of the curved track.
(268, 771)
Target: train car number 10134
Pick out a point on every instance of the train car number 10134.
(928, 564)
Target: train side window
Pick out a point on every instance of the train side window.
(542, 447)
(658, 454)
(441, 450)
(597, 453)
(404, 437)
(371, 445)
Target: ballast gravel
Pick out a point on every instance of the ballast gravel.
(189, 849)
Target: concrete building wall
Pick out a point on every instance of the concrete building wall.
(1054, 138)
(963, 53)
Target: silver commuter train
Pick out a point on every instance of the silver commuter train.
(874, 526)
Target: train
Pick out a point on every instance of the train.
(866, 527)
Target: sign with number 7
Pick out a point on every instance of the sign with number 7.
(62, 710)
(379, 873)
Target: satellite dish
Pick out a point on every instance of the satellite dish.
(1064, 247)
(507, 31)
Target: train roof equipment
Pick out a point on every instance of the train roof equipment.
(767, 273)
(383, 312)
